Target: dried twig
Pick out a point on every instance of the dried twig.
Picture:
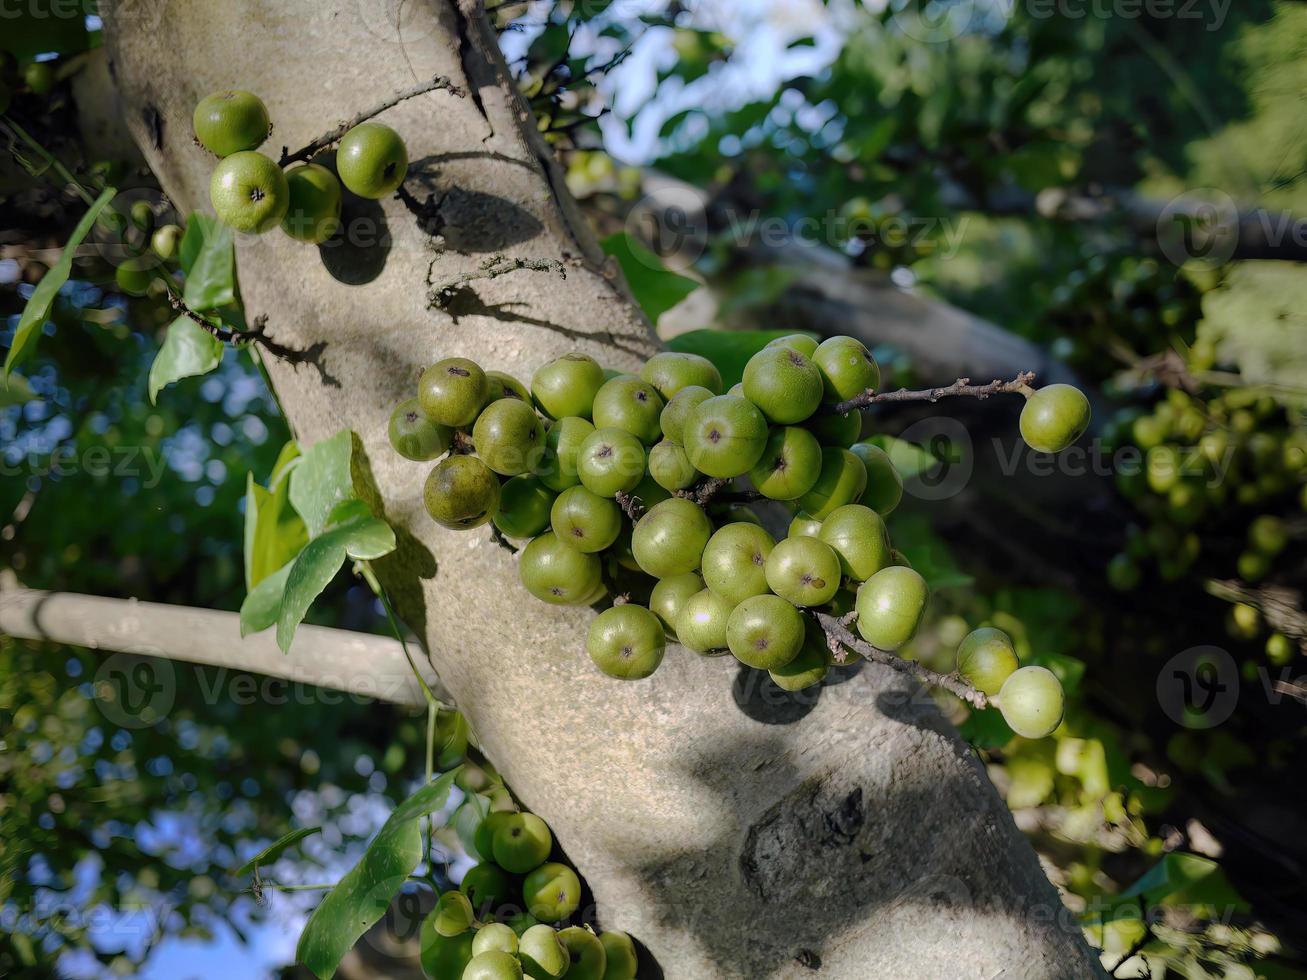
(309, 151)
(256, 334)
(839, 637)
(631, 505)
(962, 387)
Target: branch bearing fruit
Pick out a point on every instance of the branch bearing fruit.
(313, 213)
(890, 606)
(524, 507)
(556, 572)
(552, 892)
(678, 408)
(789, 465)
(567, 385)
(986, 658)
(413, 435)
(509, 437)
(630, 404)
(486, 885)
(626, 641)
(521, 843)
(231, 121)
(669, 596)
(841, 481)
(765, 631)
(372, 160)
(734, 561)
(453, 391)
(461, 493)
(670, 538)
(847, 368)
(495, 964)
(804, 571)
(784, 384)
(585, 520)
(670, 372)
(585, 952)
(1032, 702)
(542, 954)
(858, 536)
(619, 955)
(701, 623)
(610, 461)
(562, 447)
(496, 936)
(884, 484)
(725, 436)
(249, 193)
(1054, 417)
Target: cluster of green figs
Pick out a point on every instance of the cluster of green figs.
(251, 193)
(507, 918)
(605, 474)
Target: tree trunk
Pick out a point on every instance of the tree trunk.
(852, 837)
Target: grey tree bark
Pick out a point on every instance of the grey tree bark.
(862, 839)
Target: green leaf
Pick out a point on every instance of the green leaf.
(275, 849)
(362, 896)
(38, 307)
(1256, 321)
(188, 351)
(908, 458)
(729, 350)
(655, 287)
(930, 555)
(208, 258)
(322, 480)
(15, 390)
(274, 532)
(262, 604)
(1187, 879)
(353, 533)
(466, 821)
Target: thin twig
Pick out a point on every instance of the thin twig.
(838, 635)
(334, 135)
(491, 268)
(630, 504)
(1139, 943)
(256, 334)
(705, 490)
(960, 387)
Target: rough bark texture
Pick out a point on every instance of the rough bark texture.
(851, 837)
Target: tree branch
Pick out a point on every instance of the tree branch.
(356, 663)
(962, 387)
(229, 335)
(309, 151)
(838, 636)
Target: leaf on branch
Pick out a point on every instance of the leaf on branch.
(38, 307)
(466, 821)
(274, 532)
(1256, 319)
(208, 258)
(188, 351)
(729, 350)
(655, 287)
(352, 532)
(322, 480)
(15, 390)
(362, 896)
(262, 605)
(275, 850)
